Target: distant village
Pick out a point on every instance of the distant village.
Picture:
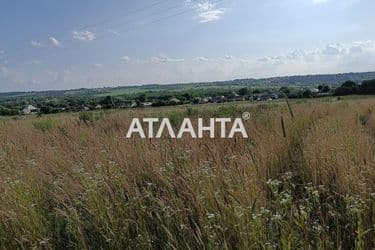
(91, 101)
(241, 95)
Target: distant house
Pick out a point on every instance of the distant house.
(82, 108)
(133, 105)
(237, 98)
(219, 99)
(174, 101)
(323, 94)
(265, 97)
(146, 104)
(314, 90)
(128, 104)
(29, 110)
(98, 106)
(206, 99)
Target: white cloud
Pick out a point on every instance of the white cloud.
(84, 36)
(126, 59)
(54, 42)
(211, 15)
(2, 52)
(158, 60)
(164, 59)
(201, 59)
(333, 49)
(207, 11)
(36, 44)
(98, 65)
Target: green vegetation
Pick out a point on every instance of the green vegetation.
(90, 116)
(44, 124)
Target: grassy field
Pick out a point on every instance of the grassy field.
(74, 181)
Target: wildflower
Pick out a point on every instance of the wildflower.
(210, 215)
(276, 217)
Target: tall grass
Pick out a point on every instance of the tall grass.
(310, 185)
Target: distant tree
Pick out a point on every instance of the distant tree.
(187, 96)
(324, 88)
(161, 97)
(7, 111)
(285, 90)
(350, 84)
(256, 91)
(141, 98)
(307, 94)
(368, 87)
(296, 94)
(107, 102)
(243, 91)
(343, 91)
(158, 103)
(45, 109)
(347, 88)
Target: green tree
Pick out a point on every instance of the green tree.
(141, 98)
(108, 102)
(324, 88)
(285, 90)
(368, 87)
(307, 94)
(347, 88)
(243, 91)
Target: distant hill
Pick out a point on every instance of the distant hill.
(331, 79)
(273, 82)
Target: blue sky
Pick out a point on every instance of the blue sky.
(50, 44)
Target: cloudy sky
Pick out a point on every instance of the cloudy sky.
(51, 44)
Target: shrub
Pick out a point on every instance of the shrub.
(175, 118)
(44, 124)
(231, 110)
(90, 117)
(190, 111)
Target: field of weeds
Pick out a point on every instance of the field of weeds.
(74, 181)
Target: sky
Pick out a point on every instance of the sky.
(51, 44)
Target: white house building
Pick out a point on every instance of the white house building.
(29, 110)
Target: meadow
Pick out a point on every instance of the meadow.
(305, 179)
